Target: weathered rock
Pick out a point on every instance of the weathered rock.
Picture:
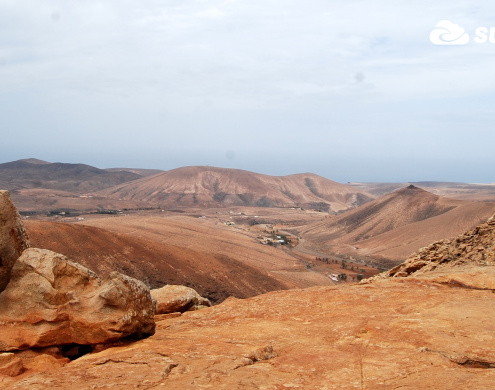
(44, 362)
(171, 298)
(463, 276)
(52, 301)
(10, 364)
(13, 237)
(398, 333)
(42, 359)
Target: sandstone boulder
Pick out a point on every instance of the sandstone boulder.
(10, 365)
(13, 237)
(42, 359)
(172, 299)
(52, 301)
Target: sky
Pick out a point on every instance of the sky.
(350, 90)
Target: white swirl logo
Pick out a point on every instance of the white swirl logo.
(448, 33)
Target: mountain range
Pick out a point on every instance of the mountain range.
(32, 180)
(79, 178)
(424, 324)
(209, 186)
(385, 226)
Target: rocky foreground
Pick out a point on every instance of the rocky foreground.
(430, 330)
(405, 333)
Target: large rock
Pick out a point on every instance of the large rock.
(171, 298)
(13, 237)
(51, 301)
(10, 364)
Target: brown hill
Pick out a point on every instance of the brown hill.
(473, 248)
(213, 276)
(454, 190)
(78, 178)
(212, 187)
(396, 224)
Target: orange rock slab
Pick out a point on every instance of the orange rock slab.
(392, 334)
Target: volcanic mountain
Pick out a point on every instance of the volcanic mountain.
(208, 186)
(397, 224)
(455, 190)
(78, 178)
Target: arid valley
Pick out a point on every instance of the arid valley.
(247, 195)
(290, 265)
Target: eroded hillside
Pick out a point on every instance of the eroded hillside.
(211, 187)
(392, 227)
(473, 248)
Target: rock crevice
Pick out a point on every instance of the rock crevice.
(13, 237)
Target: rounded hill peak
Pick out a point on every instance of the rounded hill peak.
(204, 186)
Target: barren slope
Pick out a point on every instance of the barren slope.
(475, 247)
(210, 236)
(208, 186)
(397, 224)
(216, 276)
(398, 244)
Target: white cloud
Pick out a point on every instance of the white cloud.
(213, 66)
(211, 13)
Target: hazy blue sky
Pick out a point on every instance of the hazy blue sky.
(351, 90)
